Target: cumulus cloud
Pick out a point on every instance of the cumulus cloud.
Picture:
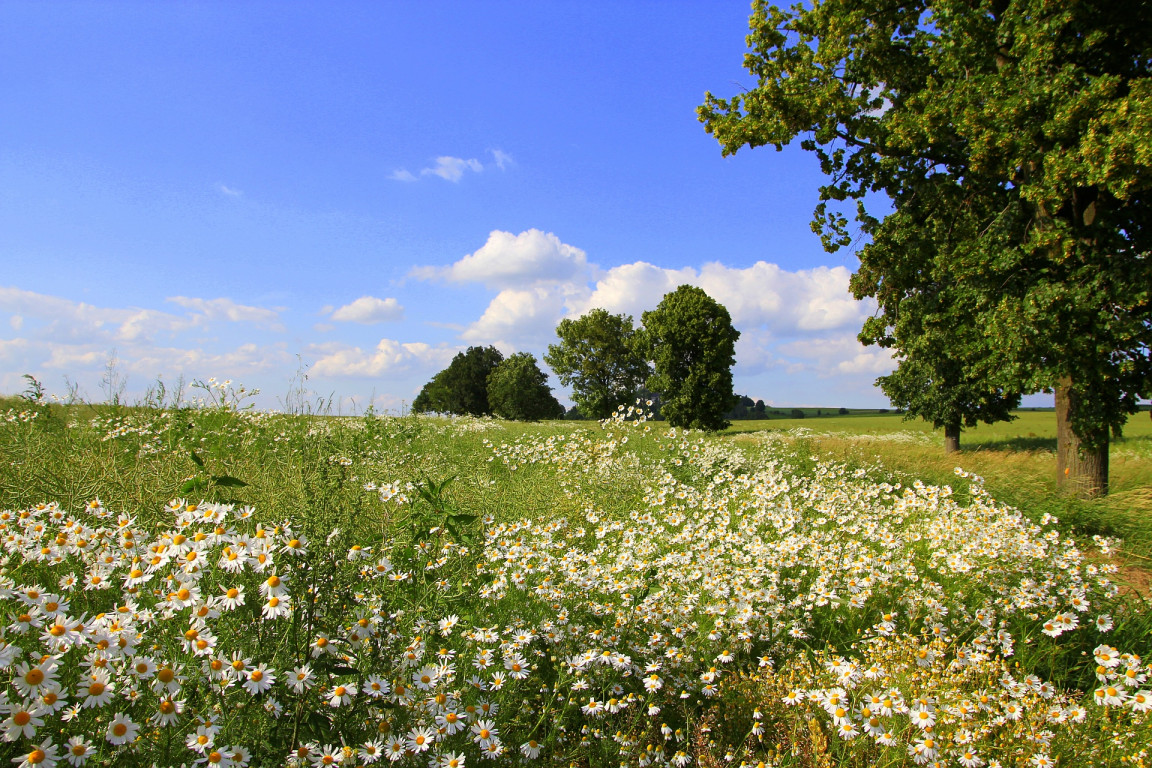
(402, 175)
(840, 355)
(515, 261)
(226, 309)
(369, 310)
(390, 358)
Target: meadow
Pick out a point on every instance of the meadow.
(218, 586)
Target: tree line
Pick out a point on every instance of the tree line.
(681, 359)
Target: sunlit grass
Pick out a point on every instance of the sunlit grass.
(421, 591)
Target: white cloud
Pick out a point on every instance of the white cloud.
(451, 168)
(519, 317)
(841, 355)
(368, 310)
(502, 158)
(16, 321)
(634, 288)
(226, 309)
(515, 261)
(390, 359)
(229, 191)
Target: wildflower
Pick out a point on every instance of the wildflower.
(342, 694)
(30, 679)
(1141, 701)
(450, 760)
(1103, 623)
(530, 749)
(420, 739)
(43, 756)
(259, 679)
(1109, 696)
(97, 690)
(969, 759)
(276, 607)
(451, 721)
(233, 597)
(201, 740)
(371, 751)
(484, 732)
(1107, 656)
(168, 711)
(238, 757)
(395, 748)
(121, 730)
(302, 679)
(79, 750)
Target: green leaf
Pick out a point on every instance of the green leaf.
(196, 459)
(227, 481)
(193, 484)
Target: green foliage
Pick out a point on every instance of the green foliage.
(1014, 140)
(597, 357)
(518, 390)
(690, 338)
(462, 387)
(203, 481)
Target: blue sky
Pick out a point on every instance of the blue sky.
(230, 189)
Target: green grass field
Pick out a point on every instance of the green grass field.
(213, 587)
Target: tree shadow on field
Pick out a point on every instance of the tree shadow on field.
(1022, 444)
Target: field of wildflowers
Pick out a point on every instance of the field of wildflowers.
(219, 587)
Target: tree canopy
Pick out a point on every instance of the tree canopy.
(518, 390)
(597, 357)
(462, 387)
(691, 341)
(1015, 136)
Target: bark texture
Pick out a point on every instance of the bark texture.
(1081, 471)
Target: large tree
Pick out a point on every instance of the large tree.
(691, 341)
(1025, 125)
(597, 357)
(518, 390)
(943, 374)
(462, 387)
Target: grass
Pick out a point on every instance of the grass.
(663, 593)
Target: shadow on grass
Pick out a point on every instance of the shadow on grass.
(1029, 444)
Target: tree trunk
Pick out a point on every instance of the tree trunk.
(1081, 471)
(951, 437)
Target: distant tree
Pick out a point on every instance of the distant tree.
(758, 409)
(597, 357)
(690, 339)
(518, 389)
(462, 387)
(819, 412)
(743, 408)
(797, 413)
(575, 414)
(843, 411)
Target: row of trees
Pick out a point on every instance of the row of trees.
(683, 356)
(1013, 141)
